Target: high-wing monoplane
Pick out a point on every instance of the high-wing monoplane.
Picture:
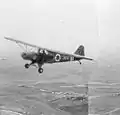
(41, 56)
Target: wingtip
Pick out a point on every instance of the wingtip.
(5, 37)
(8, 38)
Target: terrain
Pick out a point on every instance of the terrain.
(63, 89)
(58, 91)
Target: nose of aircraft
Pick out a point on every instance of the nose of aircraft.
(23, 55)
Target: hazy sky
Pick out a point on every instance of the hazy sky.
(61, 24)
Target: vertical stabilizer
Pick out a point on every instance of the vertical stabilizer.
(80, 51)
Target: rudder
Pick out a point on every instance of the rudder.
(80, 51)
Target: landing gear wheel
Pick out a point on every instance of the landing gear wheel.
(80, 62)
(27, 66)
(40, 70)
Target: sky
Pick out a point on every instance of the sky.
(61, 25)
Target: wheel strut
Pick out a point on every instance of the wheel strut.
(80, 62)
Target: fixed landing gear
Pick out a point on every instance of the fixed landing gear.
(40, 70)
(80, 62)
(27, 65)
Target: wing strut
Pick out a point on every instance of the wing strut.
(22, 45)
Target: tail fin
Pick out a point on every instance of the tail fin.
(80, 51)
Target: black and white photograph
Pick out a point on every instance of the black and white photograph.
(59, 57)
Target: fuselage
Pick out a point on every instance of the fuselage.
(37, 58)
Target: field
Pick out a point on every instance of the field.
(52, 93)
(26, 92)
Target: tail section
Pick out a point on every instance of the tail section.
(80, 51)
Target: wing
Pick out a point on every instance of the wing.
(35, 46)
(58, 56)
(21, 42)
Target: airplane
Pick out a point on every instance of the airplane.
(43, 55)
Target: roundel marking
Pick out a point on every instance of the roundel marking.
(57, 57)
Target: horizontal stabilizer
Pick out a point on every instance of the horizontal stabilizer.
(86, 58)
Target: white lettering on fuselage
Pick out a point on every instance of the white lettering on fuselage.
(65, 58)
(71, 58)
